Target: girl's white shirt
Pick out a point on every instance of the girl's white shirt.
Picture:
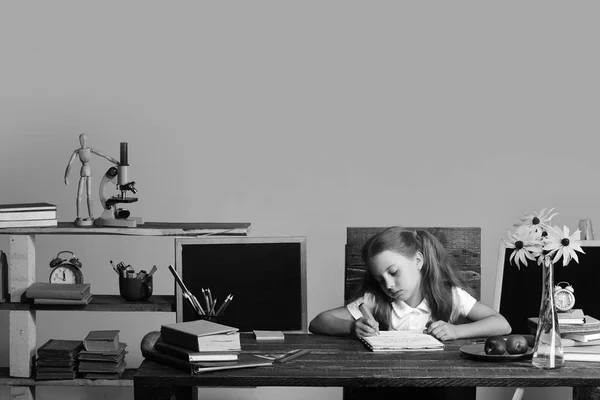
(405, 317)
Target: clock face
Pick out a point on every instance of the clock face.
(66, 274)
(564, 300)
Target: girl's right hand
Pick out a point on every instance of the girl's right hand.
(366, 327)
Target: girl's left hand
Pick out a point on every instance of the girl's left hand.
(442, 330)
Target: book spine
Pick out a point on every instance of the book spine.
(178, 338)
(27, 215)
(168, 360)
(56, 294)
(171, 351)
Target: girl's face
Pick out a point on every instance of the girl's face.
(398, 276)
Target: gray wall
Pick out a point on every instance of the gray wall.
(302, 118)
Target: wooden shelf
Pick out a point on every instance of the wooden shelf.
(125, 380)
(146, 229)
(103, 302)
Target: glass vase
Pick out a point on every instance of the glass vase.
(548, 351)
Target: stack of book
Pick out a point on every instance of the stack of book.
(57, 359)
(103, 356)
(580, 335)
(202, 346)
(27, 214)
(76, 294)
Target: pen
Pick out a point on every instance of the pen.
(367, 315)
(210, 302)
(206, 301)
(292, 356)
(188, 295)
(224, 304)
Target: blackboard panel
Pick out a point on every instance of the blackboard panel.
(267, 277)
(521, 289)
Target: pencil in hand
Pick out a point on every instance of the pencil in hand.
(369, 317)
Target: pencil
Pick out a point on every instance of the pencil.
(292, 356)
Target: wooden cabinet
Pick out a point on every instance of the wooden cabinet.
(22, 321)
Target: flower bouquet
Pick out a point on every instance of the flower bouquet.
(535, 239)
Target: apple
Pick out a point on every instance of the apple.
(516, 344)
(495, 345)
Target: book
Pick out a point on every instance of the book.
(102, 341)
(402, 341)
(29, 223)
(583, 353)
(245, 360)
(42, 290)
(582, 336)
(10, 208)
(67, 302)
(268, 335)
(568, 342)
(27, 215)
(201, 335)
(571, 317)
(190, 355)
(590, 324)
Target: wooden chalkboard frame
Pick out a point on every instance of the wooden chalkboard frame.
(517, 291)
(180, 243)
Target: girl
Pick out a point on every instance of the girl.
(410, 284)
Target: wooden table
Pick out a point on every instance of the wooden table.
(345, 362)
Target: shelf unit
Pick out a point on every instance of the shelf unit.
(22, 327)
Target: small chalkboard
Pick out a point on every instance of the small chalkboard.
(266, 275)
(518, 290)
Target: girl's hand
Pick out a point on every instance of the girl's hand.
(442, 330)
(366, 327)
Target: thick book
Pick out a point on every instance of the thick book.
(29, 223)
(571, 317)
(102, 341)
(54, 348)
(190, 355)
(402, 341)
(27, 215)
(583, 353)
(201, 335)
(10, 208)
(73, 291)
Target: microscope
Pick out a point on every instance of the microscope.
(114, 215)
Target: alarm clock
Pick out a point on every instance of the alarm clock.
(66, 270)
(564, 299)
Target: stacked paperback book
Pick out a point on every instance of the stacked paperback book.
(57, 359)
(27, 215)
(580, 335)
(76, 294)
(202, 346)
(103, 356)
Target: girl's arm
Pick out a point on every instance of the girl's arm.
(339, 322)
(486, 322)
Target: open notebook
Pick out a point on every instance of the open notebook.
(402, 341)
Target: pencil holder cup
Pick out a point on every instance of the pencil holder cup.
(134, 289)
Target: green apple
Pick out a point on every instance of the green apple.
(495, 345)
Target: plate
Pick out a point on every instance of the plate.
(477, 352)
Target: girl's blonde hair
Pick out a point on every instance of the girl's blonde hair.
(438, 275)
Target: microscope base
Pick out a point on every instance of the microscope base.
(108, 219)
(84, 222)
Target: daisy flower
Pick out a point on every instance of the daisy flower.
(539, 222)
(562, 245)
(526, 244)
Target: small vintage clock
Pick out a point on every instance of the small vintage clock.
(564, 296)
(66, 270)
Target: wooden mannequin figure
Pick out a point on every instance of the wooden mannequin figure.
(85, 178)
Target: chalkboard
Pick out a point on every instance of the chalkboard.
(266, 275)
(518, 291)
